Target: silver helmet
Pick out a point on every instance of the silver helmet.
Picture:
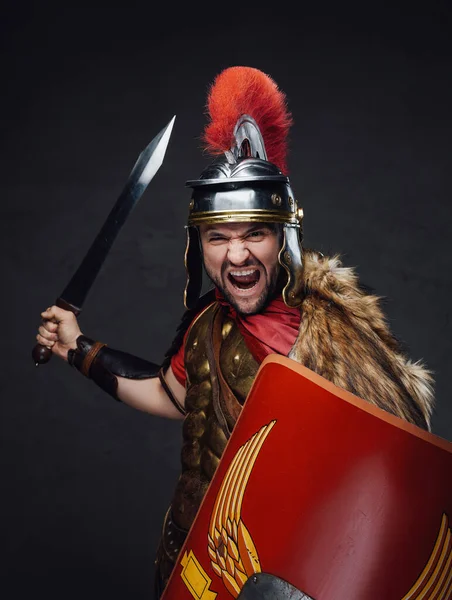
(242, 185)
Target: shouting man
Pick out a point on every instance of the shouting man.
(269, 296)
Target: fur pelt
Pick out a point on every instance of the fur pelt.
(345, 338)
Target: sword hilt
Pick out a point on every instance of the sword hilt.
(42, 354)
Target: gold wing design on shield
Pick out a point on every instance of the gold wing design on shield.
(435, 581)
(231, 549)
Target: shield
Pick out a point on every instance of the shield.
(321, 495)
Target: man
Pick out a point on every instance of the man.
(270, 296)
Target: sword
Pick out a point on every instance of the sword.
(74, 294)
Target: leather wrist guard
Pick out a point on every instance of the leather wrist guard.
(101, 364)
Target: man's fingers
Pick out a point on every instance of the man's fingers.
(47, 334)
(44, 342)
(56, 313)
(50, 313)
(49, 325)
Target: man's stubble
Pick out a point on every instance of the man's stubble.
(274, 285)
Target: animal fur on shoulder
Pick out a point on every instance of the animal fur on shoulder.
(345, 338)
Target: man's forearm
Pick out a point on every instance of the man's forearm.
(128, 378)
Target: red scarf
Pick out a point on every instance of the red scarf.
(274, 330)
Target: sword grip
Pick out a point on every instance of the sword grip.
(41, 354)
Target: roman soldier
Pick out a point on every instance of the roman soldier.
(270, 296)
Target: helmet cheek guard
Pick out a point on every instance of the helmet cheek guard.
(291, 259)
(193, 268)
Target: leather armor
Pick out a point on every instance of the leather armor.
(220, 371)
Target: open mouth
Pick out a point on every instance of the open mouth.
(244, 280)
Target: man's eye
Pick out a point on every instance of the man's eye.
(216, 239)
(256, 234)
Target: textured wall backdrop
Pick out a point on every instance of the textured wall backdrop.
(86, 481)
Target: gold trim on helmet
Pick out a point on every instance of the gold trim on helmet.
(259, 215)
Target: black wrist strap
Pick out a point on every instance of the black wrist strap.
(101, 364)
(86, 358)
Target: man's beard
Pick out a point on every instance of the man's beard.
(273, 286)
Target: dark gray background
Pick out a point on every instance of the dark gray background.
(85, 480)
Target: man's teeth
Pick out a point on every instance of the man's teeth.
(242, 273)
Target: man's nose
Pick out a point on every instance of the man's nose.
(238, 252)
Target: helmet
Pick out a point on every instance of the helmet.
(245, 183)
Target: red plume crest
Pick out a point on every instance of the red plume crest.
(244, 90)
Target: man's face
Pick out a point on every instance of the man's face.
(242, 261)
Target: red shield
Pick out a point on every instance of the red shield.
(325, 491)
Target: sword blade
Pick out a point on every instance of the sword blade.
(147, 165)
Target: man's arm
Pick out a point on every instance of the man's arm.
(141, 388)
(149, 396)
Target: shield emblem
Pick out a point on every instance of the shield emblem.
(321, 495)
